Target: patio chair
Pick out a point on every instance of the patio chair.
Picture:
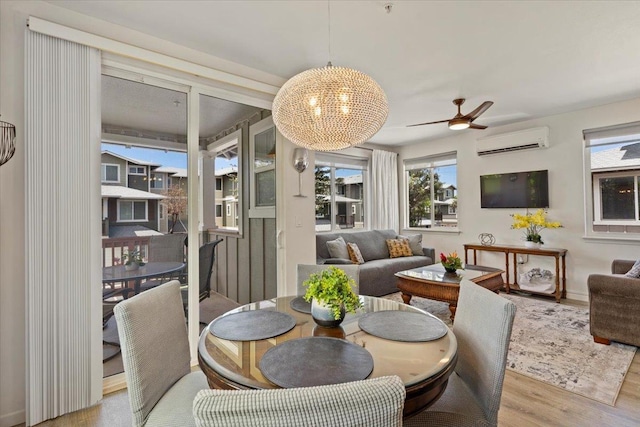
(155, 353)
(372, 402)
(206, 258)
(483, 330)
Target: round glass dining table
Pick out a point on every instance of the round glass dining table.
(424, 367)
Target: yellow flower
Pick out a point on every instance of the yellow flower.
(533, 223)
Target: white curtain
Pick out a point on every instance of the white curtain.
(384, 184)
(62, 201)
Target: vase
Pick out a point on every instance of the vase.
(323, 315)
(532, 245)
(131, 267)
(450, 270)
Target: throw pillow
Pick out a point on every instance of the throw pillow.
(398, 248)
(635, 271)
(354, 253)
(338, 248)
(415, 243)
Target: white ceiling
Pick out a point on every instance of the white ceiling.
(532, 59)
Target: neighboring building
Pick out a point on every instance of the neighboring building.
(162, 178)
(349, 192)
(227, 197)
(128, 207)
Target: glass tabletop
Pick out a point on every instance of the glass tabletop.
(413, 362)
(436, 273)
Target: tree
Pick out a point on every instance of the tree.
(420, 194)
(176, 204)
(323, 188)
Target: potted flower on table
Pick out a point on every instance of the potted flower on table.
(533, 224)
(132, 260)
(331, 294)
(450, 262)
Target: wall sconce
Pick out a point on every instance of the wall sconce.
(7, 142)
(300, 163)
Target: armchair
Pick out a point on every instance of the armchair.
(614, 305)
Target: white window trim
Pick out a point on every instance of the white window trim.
(259, 211)
(216, 210)
(146, 210)
(228, 209)
(143, 173)
(597, 220)
(103, 168)
(162, 181)
(423, 163)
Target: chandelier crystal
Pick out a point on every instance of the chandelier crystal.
(330, 108)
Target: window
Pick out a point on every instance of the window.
(218, 184)
(157, 180)
(163, 210)
(110, 173)
(132, 210)
(431, 192)
(613, 176)
(341, 183)
(262, 145)
(137, 170)
(227, 152)
(218, 211)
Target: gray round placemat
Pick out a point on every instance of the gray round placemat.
(406, 326)
(299, 304)
(312, 361)
(252, 325)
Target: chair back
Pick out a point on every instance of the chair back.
(206, 258)
(305, 270)
(373, 402)
(483, 330)
(166, 248)
(155, 345)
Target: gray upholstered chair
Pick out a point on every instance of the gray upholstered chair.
(374, 402)
(614, 305)
(155, 353)
(305, 270)
(483, 330)
(167, 248)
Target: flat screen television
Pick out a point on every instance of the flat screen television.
(515, 190)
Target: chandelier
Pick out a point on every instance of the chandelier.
(329, 108)
(7, 141)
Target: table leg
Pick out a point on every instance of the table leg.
(558, 294)
(564, 278)
(452, 309)
(506, 270)
(406, 298)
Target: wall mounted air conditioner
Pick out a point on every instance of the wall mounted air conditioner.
(513, 141)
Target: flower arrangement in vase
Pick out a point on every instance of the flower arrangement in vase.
(333, 296)
(450, 262)
(132, 260)
(533, 224)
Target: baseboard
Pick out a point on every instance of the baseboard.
(578, 297)
(12, 419)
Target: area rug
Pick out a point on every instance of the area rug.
(551, 343)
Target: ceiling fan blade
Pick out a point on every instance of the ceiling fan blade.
(475, 126)
(481, 109)
(429, 123)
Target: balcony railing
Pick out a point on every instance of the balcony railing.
(114, 248)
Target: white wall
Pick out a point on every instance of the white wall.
(564, 160)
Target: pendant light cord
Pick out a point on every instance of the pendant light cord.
(329, 29)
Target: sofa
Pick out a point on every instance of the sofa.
(377, 272)
(614, 305)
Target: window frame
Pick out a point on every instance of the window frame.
(143, 173)
(430, 162)
(103, 173)
(153, 182)
(335, 161)
(132, 201)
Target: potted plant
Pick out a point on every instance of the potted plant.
(132, 260)
(533, 224)
(331, 294)
(451, 262)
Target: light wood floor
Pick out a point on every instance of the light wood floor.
(525, 402)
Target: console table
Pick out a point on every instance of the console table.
(558, 254)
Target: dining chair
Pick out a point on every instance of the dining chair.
(372, 402)
(156, 358)
(305, 270)
(483, 330)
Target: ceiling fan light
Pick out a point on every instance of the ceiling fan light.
(329, 108)
(459, 124)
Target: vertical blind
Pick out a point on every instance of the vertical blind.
(62, 255)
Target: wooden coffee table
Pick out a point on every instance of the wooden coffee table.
(433, 282)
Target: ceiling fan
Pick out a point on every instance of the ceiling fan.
(460, 121)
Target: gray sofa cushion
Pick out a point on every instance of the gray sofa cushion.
(378, 278)
(338, 248)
